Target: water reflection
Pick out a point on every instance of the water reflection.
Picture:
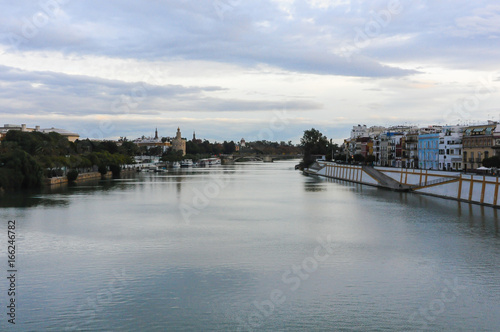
(29, 199)
(437, 209)
(392, 254)
(57, 195)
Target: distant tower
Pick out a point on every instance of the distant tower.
(156, 133)
(194, 136)
(179, 144)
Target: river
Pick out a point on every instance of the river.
(249, 247)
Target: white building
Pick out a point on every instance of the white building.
(153, 142)
(359, 131)
(68, 134)
(374, 131)
(451, 148)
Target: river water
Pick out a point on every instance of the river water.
(249, 247)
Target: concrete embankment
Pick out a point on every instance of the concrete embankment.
(451, 185)
(84, 177)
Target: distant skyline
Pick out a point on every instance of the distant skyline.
(232, 69)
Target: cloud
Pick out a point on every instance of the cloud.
(326, 4)
(243, 59)
(484, 21)
(193, 31)
(62, 94)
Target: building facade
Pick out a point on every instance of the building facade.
(450, 148)
(496, 136)
(478, 144)
(65, 133)
(359, 131)
(380, 149)
(428, 151)
(410, 150)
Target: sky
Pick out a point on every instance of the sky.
(259, 70)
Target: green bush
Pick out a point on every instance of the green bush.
(72, 175)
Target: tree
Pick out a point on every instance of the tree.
(340, 156)
(155, 151)
(207, 147)
(129, 148)
(332, 149)
(359, 158)
(229, 147)
(72, 175)
(102, 169)
(492, 161)
(313, 143)
(116, 170)
(172, 156)
(192, 148)
(370, 159)
(20, 170)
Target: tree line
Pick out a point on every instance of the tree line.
(198, 149)
(26, 158)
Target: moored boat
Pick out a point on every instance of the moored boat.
(186, 163)
(209, 162)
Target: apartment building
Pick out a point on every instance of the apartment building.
(478, 144)
(451, 148)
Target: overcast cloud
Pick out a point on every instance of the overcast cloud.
(229, 68)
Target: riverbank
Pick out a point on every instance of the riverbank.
(476, 189)
(85, 177)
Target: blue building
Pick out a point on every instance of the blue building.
(428, 151)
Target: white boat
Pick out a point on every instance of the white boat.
(186, 163)
(209, 162)
(214, 161)
(176, 164)
(155, 169)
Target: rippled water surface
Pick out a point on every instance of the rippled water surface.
(249, 247)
